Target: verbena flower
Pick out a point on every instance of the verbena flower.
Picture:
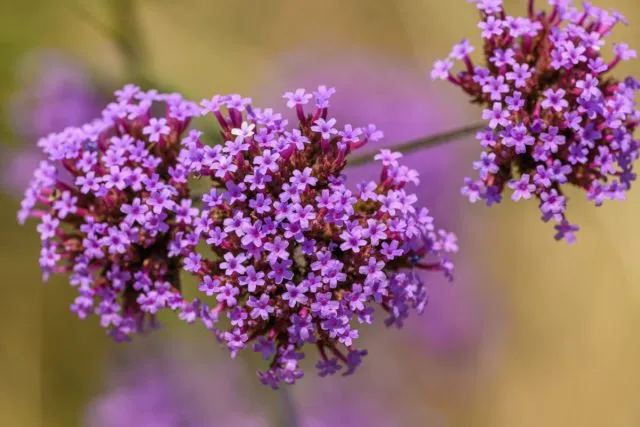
(295, 256)
(555, 114)
(147, 394)
(111, 202)
(298, 257)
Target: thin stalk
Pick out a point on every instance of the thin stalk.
(129, 36)
(427, 142)
(289, 413)
(123, 31)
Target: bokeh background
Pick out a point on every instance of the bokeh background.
(531, 333)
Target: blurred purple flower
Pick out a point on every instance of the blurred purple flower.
(159, 386)
(391, 93)
(55, 92)
(167, 388)
(16, 168)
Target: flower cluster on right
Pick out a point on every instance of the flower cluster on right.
(554, 113)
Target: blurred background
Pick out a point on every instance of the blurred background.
(532, 332)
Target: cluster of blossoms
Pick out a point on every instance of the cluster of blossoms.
(55, 92)
(297, 256)
(554, 113)
(112, 199)
(294, 256)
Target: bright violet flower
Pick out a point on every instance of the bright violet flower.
(288, 239)
(121, 225)
(301, 258)
(554, 112)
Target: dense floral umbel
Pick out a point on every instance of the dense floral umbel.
(112, 199)
(297, 257)
(555, 115)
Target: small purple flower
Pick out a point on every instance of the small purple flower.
(555, 100)
(156, 129)
(299, 97)
(295, 294)
(325, 128)
(441, 69)
(233, 263)
(522, 189)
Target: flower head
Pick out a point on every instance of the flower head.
(113, 215)
(296, 256)
(555, 115)
(302, 258)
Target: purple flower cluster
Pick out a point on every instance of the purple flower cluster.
(297, 257)
(111, 199)
(294, 256)
(554, 113)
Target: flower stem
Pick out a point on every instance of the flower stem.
(123, 31)
(427, 142)
(531, 9)
(128, 36)
(289, 413)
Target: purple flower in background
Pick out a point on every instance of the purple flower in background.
(163, 387)
(563, 105)
(356, 403)
(16, 168)
(55, 92)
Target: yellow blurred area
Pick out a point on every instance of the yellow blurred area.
(562, 348)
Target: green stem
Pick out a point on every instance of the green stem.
(405, 147)
(289, 413)
(428, 142)
(124, 32)
(128, 37)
